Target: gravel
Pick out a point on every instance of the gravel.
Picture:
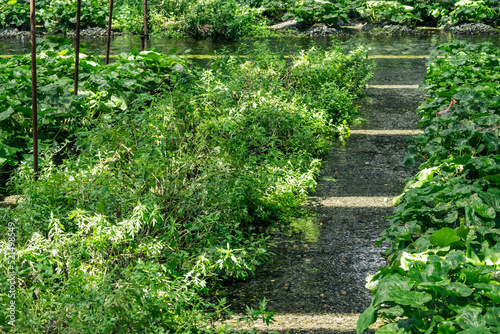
(92, 32)
(471, 29)
(317, 285)
(321, 29)
(14, 33)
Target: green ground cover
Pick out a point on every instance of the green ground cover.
(231, 19)
(161, 186)
(442, 273)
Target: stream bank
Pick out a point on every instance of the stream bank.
(316, 282)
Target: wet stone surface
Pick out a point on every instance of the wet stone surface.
(472, 29)
(318, 286)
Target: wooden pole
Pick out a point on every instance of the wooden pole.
(145, 37)
(77, 50)
(109, 31)
(33, 89)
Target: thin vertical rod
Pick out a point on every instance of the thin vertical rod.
(77, 50)
(33, 89)
(145, 36)
(109, 31)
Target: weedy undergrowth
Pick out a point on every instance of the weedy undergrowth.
(164, 191)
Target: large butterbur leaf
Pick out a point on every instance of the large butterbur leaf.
(413, 298)
(366, 319)
(444, 237)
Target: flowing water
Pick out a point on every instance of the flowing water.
(380, 45)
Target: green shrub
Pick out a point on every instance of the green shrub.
(130, 81)
(394, 11)
(308, 12)
(274, 9)
(14, 14)
(220, 19)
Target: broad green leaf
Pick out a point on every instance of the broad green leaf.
(492, 316)
(494, 178)
(388, 283)
(129, 82)
(459, 289)
(437, 270)
(407, 258)
(470, 317)
(447, 328)
(392, 328)
(451, 218)
(490, 290)
(470, 217)
(491, 254)
(391, 312)
(485, 211)
(478, 330)
(471, 254)
(444, 237)
(491, 199)
(413, 298)
(455, 258)
(366, 319)
(6, 113)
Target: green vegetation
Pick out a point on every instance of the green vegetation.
(231, 19)
(129, 82)
(56, 15)
(157, 181)
(442, 273)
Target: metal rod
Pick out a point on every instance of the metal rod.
(33, 89)
(145, 37)
(109, 31)
(77, 50)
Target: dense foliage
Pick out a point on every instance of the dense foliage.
(130, 228)
(235, 18)
(129, 82)
(56, 15)
(442, 273)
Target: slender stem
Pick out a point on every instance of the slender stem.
(77, 49)
(33, 89)
(145, 37)
(109, 31)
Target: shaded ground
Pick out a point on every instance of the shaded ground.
(316, 283)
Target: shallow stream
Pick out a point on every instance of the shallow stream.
(379, 44)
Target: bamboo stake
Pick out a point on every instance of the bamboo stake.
(33, 89)
(77, 50)
(145, 36)
(109, 31)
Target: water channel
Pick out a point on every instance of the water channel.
(379, 44)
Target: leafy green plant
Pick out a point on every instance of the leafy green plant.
(442, 266)
(14, 14)
(132, 80)
(60, 15)
(220, 19)
(274, 9)
(308, 12)
(394, 11)
(471, 11)
(163, 191)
